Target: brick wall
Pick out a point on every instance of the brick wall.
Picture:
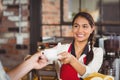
(14, 38)
(12, 48)
(51, 15)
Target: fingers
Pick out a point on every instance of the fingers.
(62, 55)
(65, 57)
(40, 54)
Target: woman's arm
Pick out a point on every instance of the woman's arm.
(67, 58)
(83, 70)
(96, 63)
(93, 66)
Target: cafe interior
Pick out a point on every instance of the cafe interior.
(28, 26)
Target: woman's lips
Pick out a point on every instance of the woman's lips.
(80, 35)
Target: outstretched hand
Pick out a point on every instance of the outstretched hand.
(38, 60)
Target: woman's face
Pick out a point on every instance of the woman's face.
(81, 29)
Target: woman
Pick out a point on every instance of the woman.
(81, 58)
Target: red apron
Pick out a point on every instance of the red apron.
(67, 72)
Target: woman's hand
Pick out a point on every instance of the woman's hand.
(65, 57)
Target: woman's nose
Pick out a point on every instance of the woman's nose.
(80, 29)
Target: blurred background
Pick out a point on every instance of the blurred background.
(26, 26)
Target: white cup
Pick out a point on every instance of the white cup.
(51, 54)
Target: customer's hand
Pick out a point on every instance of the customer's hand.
(38, 60)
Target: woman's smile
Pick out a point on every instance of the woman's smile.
(80, 35)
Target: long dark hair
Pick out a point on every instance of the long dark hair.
(88, 17)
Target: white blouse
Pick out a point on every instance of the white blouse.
(93, 66)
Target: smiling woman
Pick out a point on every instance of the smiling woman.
(80, 57)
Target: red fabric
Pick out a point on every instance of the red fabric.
(68, 72)
(84, 59)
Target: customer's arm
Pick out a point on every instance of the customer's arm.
(37, 61)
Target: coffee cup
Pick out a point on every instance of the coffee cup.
(51, 54)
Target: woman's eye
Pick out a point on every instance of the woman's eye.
(75, 26)
(85, 26)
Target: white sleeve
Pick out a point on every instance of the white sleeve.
(95, 64)
(3, 75)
